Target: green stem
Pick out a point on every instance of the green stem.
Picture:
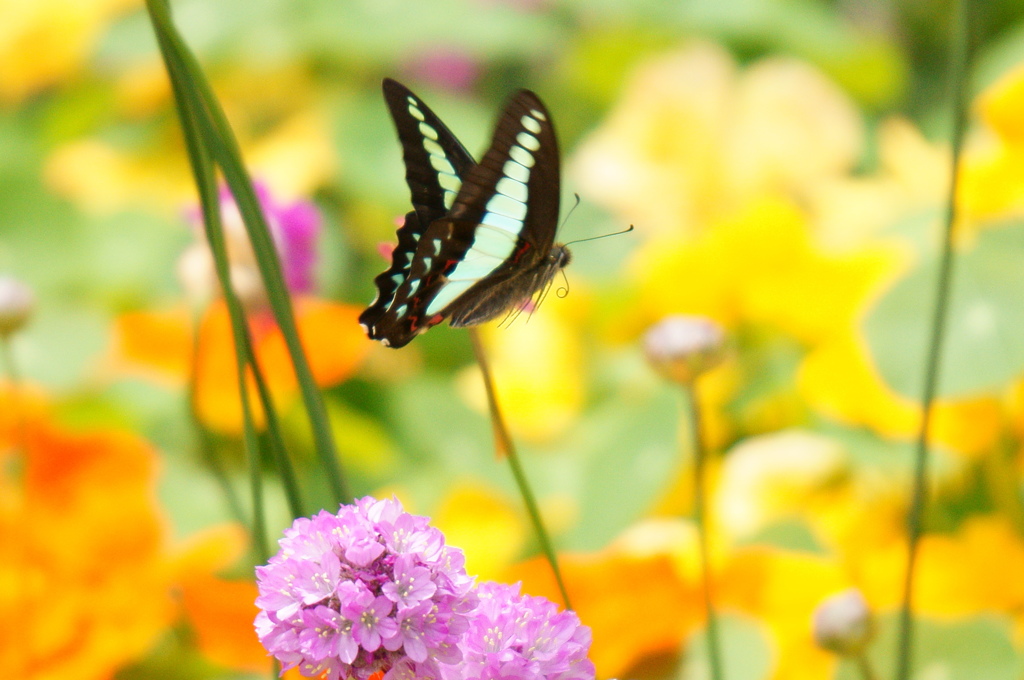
(700, 516)
(207, 449)
(960, 59)
(864, 666)
(505, 447)
(212, 127)
(273, 434)
(202, 168)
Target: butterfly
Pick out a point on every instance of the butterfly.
(480, 240)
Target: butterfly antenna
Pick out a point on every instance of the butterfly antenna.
(575, 205)
(594, 238)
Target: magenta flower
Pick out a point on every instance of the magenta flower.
(294, 227)
(446, 68)
(369, 589)
(519, 637)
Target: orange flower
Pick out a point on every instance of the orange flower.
(159, 344)
(220, 611)
(642, 597)
(635, 606)
(84, 571)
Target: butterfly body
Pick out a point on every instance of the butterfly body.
(480, 239)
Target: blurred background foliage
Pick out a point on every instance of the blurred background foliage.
(785, 166)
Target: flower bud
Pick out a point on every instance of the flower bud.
(843, 623)
(683, 347)
(16, 304)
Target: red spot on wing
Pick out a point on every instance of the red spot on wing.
(520, 251)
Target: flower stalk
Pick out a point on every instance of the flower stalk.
(959, 69)
(703, 530)
(682, 348)
(506, 448)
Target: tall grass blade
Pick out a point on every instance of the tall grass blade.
(220, 142)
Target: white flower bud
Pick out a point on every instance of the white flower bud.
(683, 347)
(843, 623)
(16, 304)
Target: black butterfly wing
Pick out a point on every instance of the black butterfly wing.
(435, 161)
(491, 251)
(506, 216)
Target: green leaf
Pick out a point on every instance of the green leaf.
(746, 654)
(984, 346)
(627, 452)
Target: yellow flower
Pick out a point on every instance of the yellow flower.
(839, 379)
(490, 529)
(537, 369)
(1001, 104)
(733, 274)
(44, 42)
(693, 136)
(294, 158)
(993, 176)
(771, 477)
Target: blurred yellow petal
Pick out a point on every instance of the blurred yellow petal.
(486, 526)
(792, 128)
(782, 590)
(155, 344)
(920, 169)
(537, 368)
(655, 160)
(992, 181)
(1001, 106)
(211, 550)
(974, 571)
(101, 179)
(143, 88)
(691, 139)
(774, 476)
(839, 379)
(44, 42)
(296, 157)
(733, 274)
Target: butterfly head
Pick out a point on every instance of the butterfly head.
(559, 257)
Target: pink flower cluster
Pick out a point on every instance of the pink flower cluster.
(519, 637)
(375, 589)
